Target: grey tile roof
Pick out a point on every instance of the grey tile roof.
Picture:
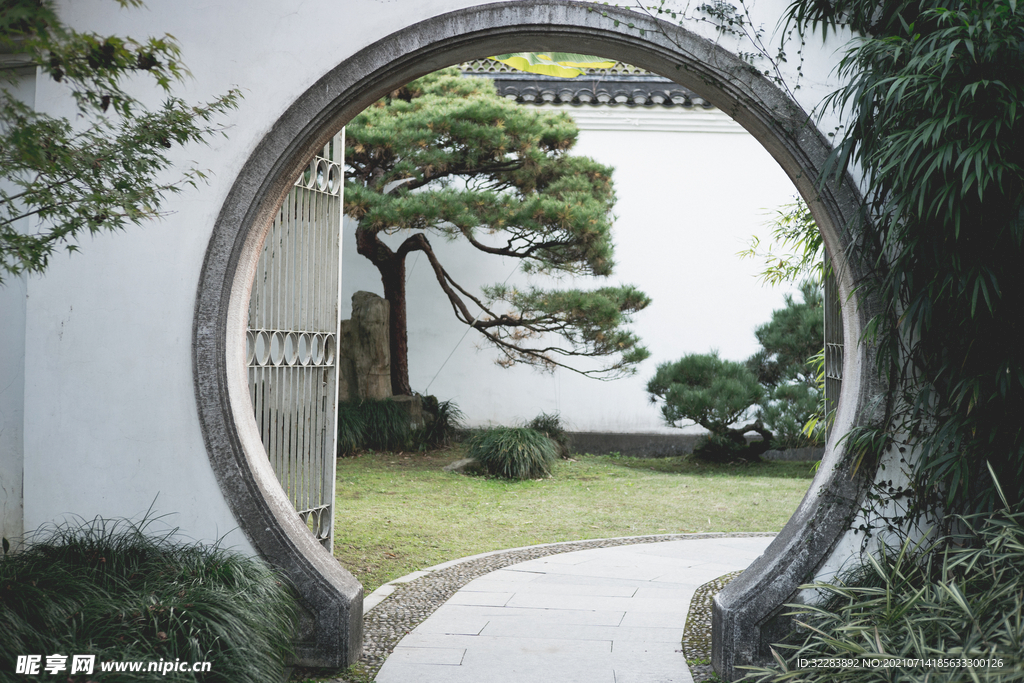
(622, 85)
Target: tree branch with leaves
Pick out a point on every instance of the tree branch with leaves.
(60, 179)
(446, 156)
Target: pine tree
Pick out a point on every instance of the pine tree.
(446, 156)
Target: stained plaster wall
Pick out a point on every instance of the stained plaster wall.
(13, 300)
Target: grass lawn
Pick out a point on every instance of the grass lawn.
(398, 512)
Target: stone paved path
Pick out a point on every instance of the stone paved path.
(602, 615)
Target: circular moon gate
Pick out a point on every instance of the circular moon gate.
(746, 616)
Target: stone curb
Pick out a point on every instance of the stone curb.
(415, 596)
(384, 591)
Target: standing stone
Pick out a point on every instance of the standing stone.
(348, 388)
(366, 339)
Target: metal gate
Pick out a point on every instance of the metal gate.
(291, 342)
(833, 345)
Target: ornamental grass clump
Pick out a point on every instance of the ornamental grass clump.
(513, 452)
(111, 589)
(445, 427)
(550, 425)
(380, 425)
(351, 429)
(959, 600)
(385, 425)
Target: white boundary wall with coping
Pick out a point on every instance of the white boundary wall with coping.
(692, 187)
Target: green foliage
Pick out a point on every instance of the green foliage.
(957, 599)
(789, 341)
(787, 411)
(385, 425)
(111, 589)
(817, 426)
(447, 156)
(714, 394)
(796, 250)
(705, 390)
(351, 428)
(588, 319)
(932, 96)
(550, 425)
(107, 168)
(513, 452)
(380, 425)
(791, 361)
(792, 400)
(444, 425)
(727, 447)
(786, 366)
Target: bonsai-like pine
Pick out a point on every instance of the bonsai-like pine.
(793, 336)
(713, 393)
(446, 156)
(786, 365)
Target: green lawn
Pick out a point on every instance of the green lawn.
(397, 513)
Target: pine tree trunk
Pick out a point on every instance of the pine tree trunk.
(391, 267)
(392, 275)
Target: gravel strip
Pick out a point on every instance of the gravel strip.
(413, 602)
(697, 632)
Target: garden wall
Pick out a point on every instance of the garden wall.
(125, 362)
(692, 187)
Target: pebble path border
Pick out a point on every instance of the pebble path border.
(411, 603)
(697, 632)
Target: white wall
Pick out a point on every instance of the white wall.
(110, 424)
(692, 188)
(12, 397)
(13, 301)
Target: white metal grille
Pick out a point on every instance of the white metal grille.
(291, 342)
(833, 346)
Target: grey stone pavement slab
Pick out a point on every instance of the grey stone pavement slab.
(603, 615)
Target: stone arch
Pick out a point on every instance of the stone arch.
(330, 635)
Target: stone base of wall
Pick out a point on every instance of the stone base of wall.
(639, 445)
(796, 454)
(633, 445)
